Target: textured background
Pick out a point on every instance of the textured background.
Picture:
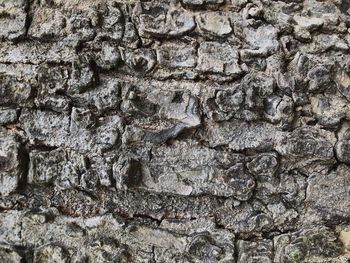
(174, 131)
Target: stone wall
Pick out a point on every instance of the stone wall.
(174, 131)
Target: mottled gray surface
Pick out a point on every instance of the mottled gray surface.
(175, 131)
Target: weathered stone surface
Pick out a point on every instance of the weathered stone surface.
(174, 131)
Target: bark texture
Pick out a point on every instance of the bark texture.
(175, 131)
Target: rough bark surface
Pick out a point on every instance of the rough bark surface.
(175, 131)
